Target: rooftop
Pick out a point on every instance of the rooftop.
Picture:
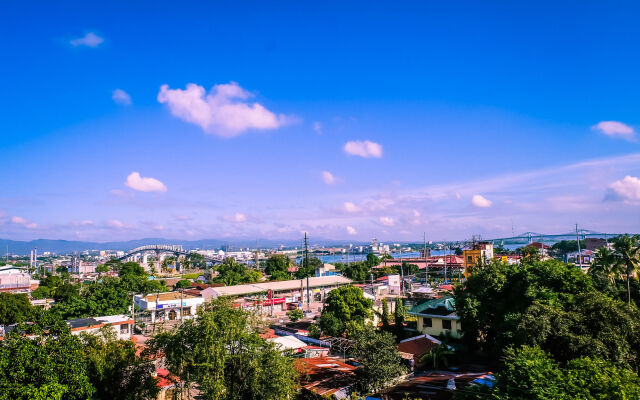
(325, 375)
(254, 288)
(445, 305)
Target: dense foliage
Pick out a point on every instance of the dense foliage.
(277, 267)
(231, 272)
(379, 359)
(223, 353)
(345, 311)
(308, 267)
(553, 331)
(54, 364)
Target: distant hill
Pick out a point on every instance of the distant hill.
(70, 246)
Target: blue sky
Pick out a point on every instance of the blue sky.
(348, 121)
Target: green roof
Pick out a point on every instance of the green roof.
(442, 306)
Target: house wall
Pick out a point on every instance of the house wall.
(436, 327)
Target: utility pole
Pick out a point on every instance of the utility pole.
(445, 263)
(579, 251)
(426, 267)
(401, 272)
(305, 263)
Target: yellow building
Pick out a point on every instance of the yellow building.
(480, 252)
(437, 317)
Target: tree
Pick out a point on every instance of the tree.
(606, 264)
(438, 355)
(295, 315)
(548, 304)
(399, 312)
(385, 314)
(628, 253)
(51, 368)
(357, 271)
(343, 305)
(380, 361)
(115, 370)
(530, 373)
(102, 268)
(308, 267)
(530, 254)
(372, 260)
(14, 308)
(232, 272)
(183, 284)
(277, 266)
(194, 261)
(225, 356)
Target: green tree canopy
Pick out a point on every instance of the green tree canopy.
(379, 358)
(277, 266)
(549, 304)
(343, 306)
(232, 272)
(225, 356)
(530, 373)
(308, 267)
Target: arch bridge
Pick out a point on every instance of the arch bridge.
(159, 249)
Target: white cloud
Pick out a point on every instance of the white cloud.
(317, 126)
(158, 228)
(480, 201)
(236, 218)
(364, 149)
(350, 207)
(86, 222)
(121, 97)
(351, 230)
(223, 111)
(136, 182)
(24, 222)
(627, 188)
(387, 221)
(328, 178)
(116, 224)
(615, 129)
(90, 40)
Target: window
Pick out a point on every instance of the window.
(427, 323)
(470, 259)
(446, 324)
(124, 329)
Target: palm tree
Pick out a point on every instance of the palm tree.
(627, 250)
(437, 355)
(606, 263)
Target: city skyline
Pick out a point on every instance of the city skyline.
(347, 121)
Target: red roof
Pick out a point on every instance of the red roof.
(165, 378)
(325, 375)
(417, 345)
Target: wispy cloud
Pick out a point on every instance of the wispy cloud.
(351, 230)
(615, 129)
(121, 97)
(364, 149)
(328, 178)
(387, 221)
(136, 182)
(235, 218)
(224, 111)
(89, 40)
(23, 222)
(317, 126)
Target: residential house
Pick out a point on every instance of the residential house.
(438, 316)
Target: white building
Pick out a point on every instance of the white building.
(122, 325)
(169, 306)
(13, 279)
